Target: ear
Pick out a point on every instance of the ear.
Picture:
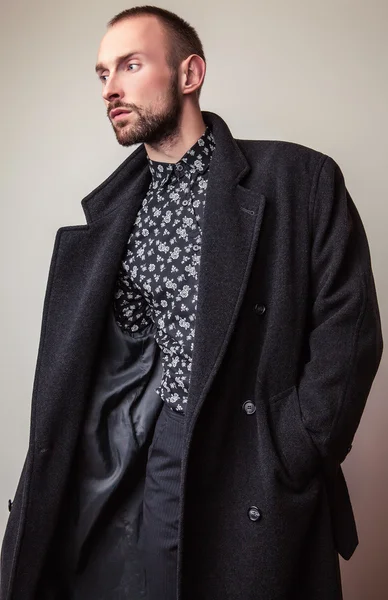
(193, 70)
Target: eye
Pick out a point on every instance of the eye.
(102, 78)
(133, 65)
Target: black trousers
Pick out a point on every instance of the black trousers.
(161, 506)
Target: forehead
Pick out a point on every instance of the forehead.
(137, 34)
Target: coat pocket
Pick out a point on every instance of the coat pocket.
(298, 456)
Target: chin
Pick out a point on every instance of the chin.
(125, 141)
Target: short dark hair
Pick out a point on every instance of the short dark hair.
(183, 39)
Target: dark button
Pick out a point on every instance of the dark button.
(249, 407)
(349, 449)
(9, 505)
(179, 171)
(254, 513)
(259, 309)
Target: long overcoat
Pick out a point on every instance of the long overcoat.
(287, 343)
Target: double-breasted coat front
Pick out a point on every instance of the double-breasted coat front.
(287, 343)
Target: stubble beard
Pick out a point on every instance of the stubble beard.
(150, 127)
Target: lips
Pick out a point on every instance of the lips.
(118, 111)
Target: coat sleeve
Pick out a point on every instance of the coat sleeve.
(344, 335)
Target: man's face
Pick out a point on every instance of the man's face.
(136, 78)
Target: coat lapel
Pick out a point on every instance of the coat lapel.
(232, 220)
(81, 282)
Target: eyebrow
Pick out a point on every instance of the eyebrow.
(119, 59)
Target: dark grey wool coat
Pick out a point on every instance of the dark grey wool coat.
(288, 341)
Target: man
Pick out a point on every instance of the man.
(208, 344)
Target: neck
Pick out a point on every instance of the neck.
(171, 150)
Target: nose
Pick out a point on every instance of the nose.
(112, 89)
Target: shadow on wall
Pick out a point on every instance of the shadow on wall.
(365, 576)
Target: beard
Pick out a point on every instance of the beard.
(150, 126)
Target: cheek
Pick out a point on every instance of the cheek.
(152, 88)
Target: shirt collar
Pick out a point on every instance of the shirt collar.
(197, 159)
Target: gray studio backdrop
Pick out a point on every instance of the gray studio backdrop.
(307, 71)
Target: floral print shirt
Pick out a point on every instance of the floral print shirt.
(158, 278)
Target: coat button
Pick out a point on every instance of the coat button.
(254, 513)
(260, 309)
(10, 505)
(249, 407)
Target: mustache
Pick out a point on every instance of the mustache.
(131, 107)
